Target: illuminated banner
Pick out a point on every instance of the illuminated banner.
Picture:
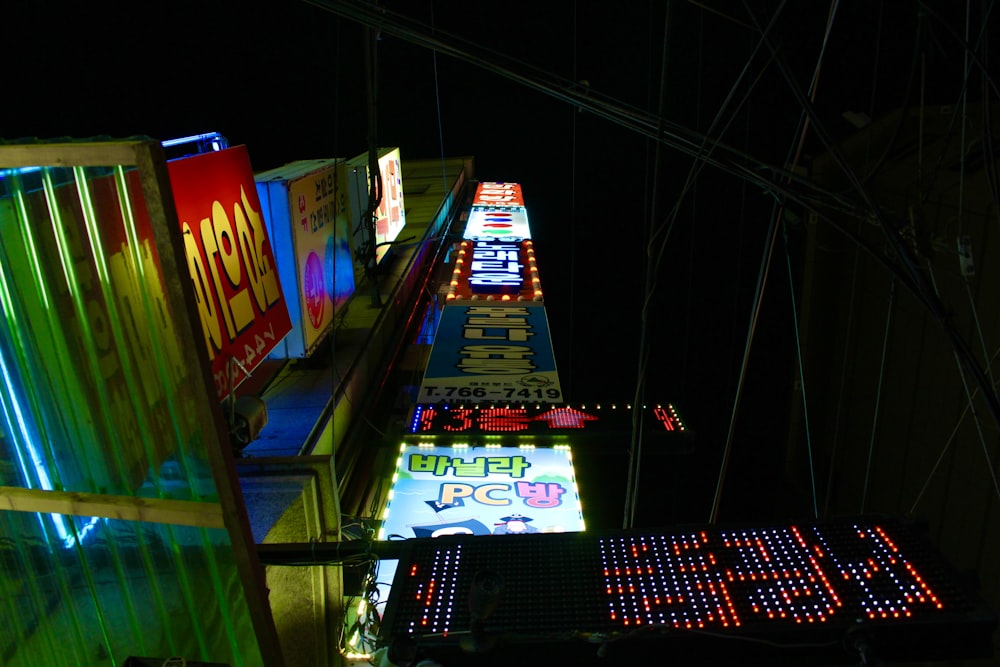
(498, 194)
(311, 246)
(240, 304)
(482, 491)
(496, 269)
(486, 224)
(541, 419)
(497, 352)
(390, 216)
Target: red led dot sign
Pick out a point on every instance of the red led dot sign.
(761, 576)
(790, 583)
(539, 418)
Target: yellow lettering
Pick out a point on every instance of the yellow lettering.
(239, 303)
(251, 233)
(451, 492)
(203, 294)
(208, 227)
(482, 494)
(495, 311)
(502, 351)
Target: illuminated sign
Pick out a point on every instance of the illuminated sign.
(816, 580)
(496, 269)
(494, 352)
(482, 491)
(311, 245)
(458, 419)
(390, 216)
(498, 194)
(239, 300)
(494, 224)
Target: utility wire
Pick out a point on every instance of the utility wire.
(437, 102)
(802, 374)
(975, 415)
(765, 267)
(635, 448)
(835, 439)
(726, 158)
(878, 393)
(905, 263)
(794, 154)
(947, 445)
(572, 215)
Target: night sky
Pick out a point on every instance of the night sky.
(289, 82)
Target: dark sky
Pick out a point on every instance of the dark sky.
(288, 80)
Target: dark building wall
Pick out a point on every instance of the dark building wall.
(891, 425)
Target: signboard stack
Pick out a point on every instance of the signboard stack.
(493, 341)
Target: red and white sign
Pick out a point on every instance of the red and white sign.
(487, 224)
(240, 304)
(498, 194)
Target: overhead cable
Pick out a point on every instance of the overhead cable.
(906, 261)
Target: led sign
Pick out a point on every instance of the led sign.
(496, 269)
(541, 419)
(817, 580)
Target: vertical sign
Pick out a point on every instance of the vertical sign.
(492, 352)
(240, 303)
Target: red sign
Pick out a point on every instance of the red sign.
(240, 303)
(498, 194)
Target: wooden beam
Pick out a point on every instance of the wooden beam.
(77, 154)
(126, 508)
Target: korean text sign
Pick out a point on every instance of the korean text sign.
(240, 304)
(483, 491)
(491, 352)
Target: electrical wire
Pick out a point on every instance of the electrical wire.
(878, 393)
(777, 214)
(572, 213)
(768, 177)
(870, 173)
(635, 447)
(437, 104)
(655, 257)
(975, 414)
(905, 262)
(802, 375)
(848, 338)
(765, 268)
(947, 445)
